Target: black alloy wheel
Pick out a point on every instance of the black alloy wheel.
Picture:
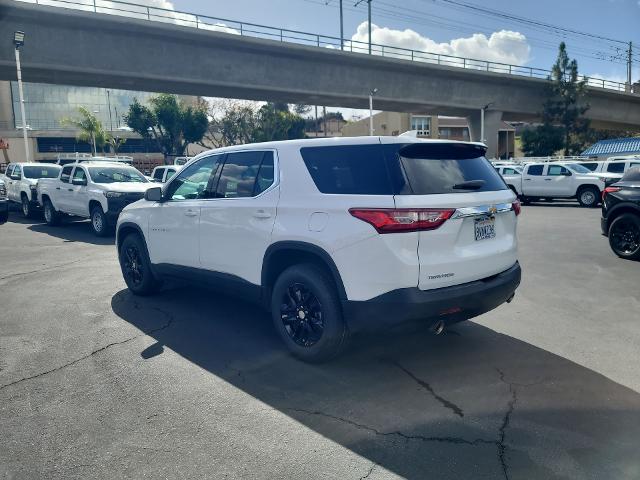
(301, 314)
(624, 236)
(132, 265)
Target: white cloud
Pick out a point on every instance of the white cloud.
(504, 46)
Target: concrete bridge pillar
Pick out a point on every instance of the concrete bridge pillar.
(492, 123)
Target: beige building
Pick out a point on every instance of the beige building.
(428, 126)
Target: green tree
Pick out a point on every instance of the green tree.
(563, 111)
(91, 129)
(170, 123)
(542, 141)
(276, 124)
(115, 143)
(232, 123)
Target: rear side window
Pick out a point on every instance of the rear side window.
(535, 169)
(66, 173)
(157, 174)
(245, 174)
(511, 171)
(348, 169)
(615, 167)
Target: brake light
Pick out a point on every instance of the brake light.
(389, 220)
(609, 190)
(517, 207)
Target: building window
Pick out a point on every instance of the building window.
(422, 124)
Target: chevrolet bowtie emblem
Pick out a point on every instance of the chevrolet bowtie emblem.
(492, 210)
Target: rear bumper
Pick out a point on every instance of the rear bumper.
(449, 304)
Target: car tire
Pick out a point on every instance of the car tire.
(525, 200)
(624, 236)
(588, 197)
(136, 266)
(307, 313)
(50, 215)
(99, 222)
(26, 206)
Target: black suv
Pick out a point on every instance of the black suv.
(621, 215)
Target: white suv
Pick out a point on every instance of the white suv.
(333, 235)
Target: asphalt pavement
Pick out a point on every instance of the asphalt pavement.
(96, 383)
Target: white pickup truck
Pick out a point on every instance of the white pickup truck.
(95, 190)
(20, 180)
(557, 180)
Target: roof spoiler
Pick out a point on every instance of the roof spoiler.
(410, 133)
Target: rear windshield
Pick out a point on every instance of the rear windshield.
(401, 169)
(632, 175)
(115, 174)
(45, 171)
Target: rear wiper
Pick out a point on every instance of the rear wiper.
(469, 185)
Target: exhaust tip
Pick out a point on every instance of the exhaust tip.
(438, 327)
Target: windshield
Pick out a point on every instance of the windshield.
(116, 174)
(44, 171)
(577, 168)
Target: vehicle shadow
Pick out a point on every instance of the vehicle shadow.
(471, 403)
(71, 231)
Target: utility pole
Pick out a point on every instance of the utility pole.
(109, 104)
(369, 21)
(629, 64)
(341, 28)
(324, 120)
(371, 94)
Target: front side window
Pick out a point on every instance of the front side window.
(115, 175)
(245, 174)
(16, 174)
(170, 173)
(535, 169)
(196, 181)
(511, 171)
(79, 174)
(66, 173)
(9, 171)
(578, 168)
(44, 171)
(616, 167)
(557, 170)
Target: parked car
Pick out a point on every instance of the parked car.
(4, 203)
(558, 180)
(66, 159)
(616, 165)
(621, 215)
(162, 173)
(333, 235)
(20, 181)
(512, 175)
(95, 190)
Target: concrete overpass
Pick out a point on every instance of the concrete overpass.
(73, 47)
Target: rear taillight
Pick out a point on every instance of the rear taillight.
(516, 207)
(609, 190)
(403, 219)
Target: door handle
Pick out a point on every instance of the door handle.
(70, 189)
(527, 179)
(261, 214)
(191, 213)
(57, 188)
(547, 179)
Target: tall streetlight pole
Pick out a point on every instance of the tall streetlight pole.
(482, 139)
(109, 104)
(371, 94)
(18, 41)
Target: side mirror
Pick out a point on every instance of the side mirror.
(154, 194)
(79, 181)
(567, 173)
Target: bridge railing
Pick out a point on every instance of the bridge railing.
(225, 25)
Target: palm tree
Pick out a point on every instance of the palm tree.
(91, 129)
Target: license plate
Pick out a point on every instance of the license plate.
(485, 228)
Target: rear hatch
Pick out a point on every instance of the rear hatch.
(470, 222)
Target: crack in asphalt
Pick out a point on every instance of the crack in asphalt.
(453, 440)
(445, 403)
(370, 471)
(94, 352)
(502, 432)
(46, 269)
